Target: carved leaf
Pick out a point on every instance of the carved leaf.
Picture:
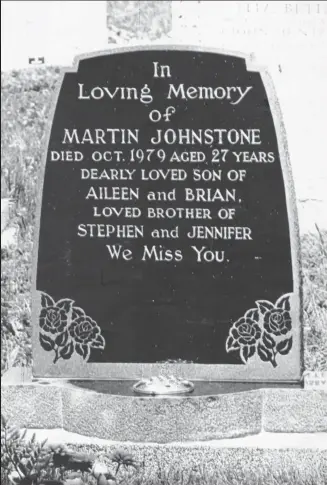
(264, 306)
(252, 350)
(79, 349)
(284, 302)
(46, 300)
(77, 312)
(46, 342)
(98, 343)
(65, 304)
(253, 314)
(67, 351)
(62, 339)
(264, 354)
(83, 351)
(285, 346)
(247, 352)
(231, 344)
(268, 341)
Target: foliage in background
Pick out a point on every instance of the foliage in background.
(27, 462)
(25, 101)
(23, 459)
(128, 20)
(314, 265)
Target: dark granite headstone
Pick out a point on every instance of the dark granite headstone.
(167, 228)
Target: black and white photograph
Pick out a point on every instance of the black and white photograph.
(163, 242)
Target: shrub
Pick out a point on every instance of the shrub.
(25, 461)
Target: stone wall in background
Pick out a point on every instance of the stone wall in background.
(132, 20)
(289, 39)
(58, 31)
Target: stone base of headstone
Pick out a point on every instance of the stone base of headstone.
(109, 410)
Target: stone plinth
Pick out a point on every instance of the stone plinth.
(109, 410)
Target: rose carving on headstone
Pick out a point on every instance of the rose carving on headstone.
(53, 319)
(262, 330)
(65, 328)
(244, 336)
(277, 321)
(86, 334)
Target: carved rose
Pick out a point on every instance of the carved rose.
(244, 336)
(53, 319)
(255, 332)
(72, 330)
(84, 330)
(277, 321)
(246, 331)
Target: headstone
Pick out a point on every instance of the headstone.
(315, 380)
(167, 223)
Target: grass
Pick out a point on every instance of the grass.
(282, 477)
(314, 265)
(148, 466)
(25, 100)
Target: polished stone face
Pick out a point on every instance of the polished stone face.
(170, 240)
